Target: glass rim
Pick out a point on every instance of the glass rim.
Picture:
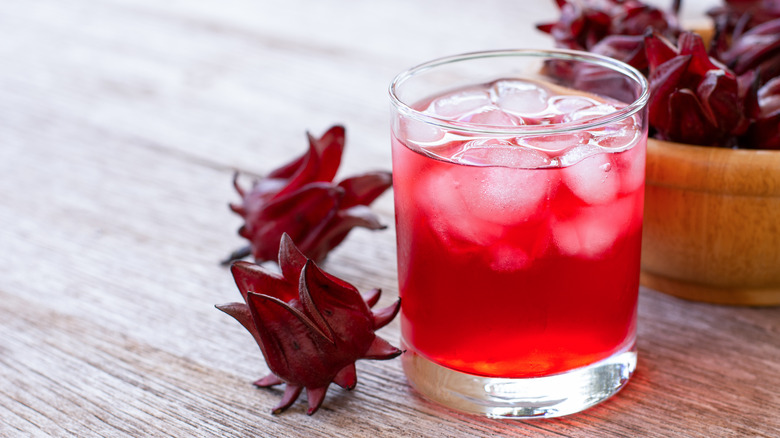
(557, 128)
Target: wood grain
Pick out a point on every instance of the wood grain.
(711, 228)
(121, 123)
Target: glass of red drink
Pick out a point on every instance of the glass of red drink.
(519, 186)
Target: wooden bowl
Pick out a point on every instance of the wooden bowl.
(712, 224)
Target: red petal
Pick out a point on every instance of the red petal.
(250, 277)
(339, 303)
(751, 48)
(658, 50)
(319, 163)
(689, 123)
(692, 44)
(769, 97)
(305, 174)
(765, 133)
(241, 313)
(294, 348)
(340, 309)
(364, 189)
(318, 245)
(286, 171)
(664, 80)
(719, 95)
(330, 147)
(307, 285)
(301, 214)
(291, 260)
(627, 48)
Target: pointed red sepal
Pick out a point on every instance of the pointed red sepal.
(287, 334)
(309, 306)
(311, 208)
(381, 349)
(338, 307)
(364, 189)
(719, 95)
(291, 259)
(330, 148)
(241, 313)
(583, 24)
(382, 317)
(658, 50)
(688, 119)
(238, 209)
(692, 44)
(291, 393)
(250, 277)
(663, 82)
(304, 174)
(267, 381)
(336, 230)
(347, 377)
(315, 396)
(237, 186)
(372, 297)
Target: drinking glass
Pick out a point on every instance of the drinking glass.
(519, 186)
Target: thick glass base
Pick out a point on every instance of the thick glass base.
(539, 397)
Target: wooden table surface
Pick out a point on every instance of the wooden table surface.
(121, 124)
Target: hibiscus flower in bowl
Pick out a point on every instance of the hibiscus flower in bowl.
(712, 200)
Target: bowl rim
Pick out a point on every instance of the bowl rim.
(747, 172)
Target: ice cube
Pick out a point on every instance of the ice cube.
(576, 154)
(459, 103)
(419, 132)
(569, 104)
(590, 233)
(520, 248)
(556, 142)
(520, 97)
(593, 179)
(631, 167)
(590, 112)
(617, 135)
(506, 258)
(508, 195)
(450, 212)
(478, 199)
(491, 116)
(496, 152)
(618, 140)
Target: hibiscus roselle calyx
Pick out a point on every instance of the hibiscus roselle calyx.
(583, 24)
(300, 199)
(757, 49)
(764, 133)
(699, 95)
(734, 17)
(311, 326)
(693, 98)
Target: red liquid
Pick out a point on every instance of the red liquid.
(509, 272)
